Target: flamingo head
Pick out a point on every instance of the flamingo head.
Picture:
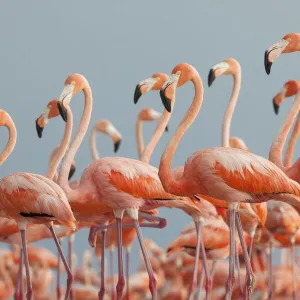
(154, 83)
(290, 88)
(229, 66)
(149, 114)
(289, 43)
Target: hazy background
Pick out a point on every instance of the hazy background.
(116, 44)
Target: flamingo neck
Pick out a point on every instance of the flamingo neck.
(292, 144)
(160, 128)
(62, 148)
(169, 183)
(275, 154)
(139, 137)
(12, 139)
(230, 108)
(82, 129)
(93, 146)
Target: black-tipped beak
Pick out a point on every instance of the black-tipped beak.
(211, 77)
(268, 64)
(137, 94)
(39, 129)
(117, 146)
(169, 249)
(167, 129)
(62, 110)
(72, 172)
(275, 106)
(165, 100)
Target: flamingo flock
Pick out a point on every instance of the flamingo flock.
(242, 205)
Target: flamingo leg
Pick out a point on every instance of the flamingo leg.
(58, 290)
(270, 293)
(237, 263)
(195, 279)
(250, 275)
(68, 270)
(19, 286)
(24, 246)
(200, 283)
(127, 273)
(111, 252)
(102, 286)
(213, 269)
(121, 280)
(230, 280)
(152, 280)
(96, 228)
(293, 266)
(70, 254)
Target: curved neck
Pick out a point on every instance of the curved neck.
(160, 128)
(12, 139)
(165, 174)
(230, 108)
(275, 154)
(82, 129)
(288, 158)
(93, 146)
(139, 136)
(58, 156)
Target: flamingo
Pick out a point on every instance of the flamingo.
(289, 43)
(230, 174)
(32, 198)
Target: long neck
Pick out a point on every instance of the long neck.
(160, 128)
(165, 175)
(12, 139)
(139, 136)
(288, 158)
(93, 146)
(230, 108)
(275, 154)
(82, 129)
(61, 151)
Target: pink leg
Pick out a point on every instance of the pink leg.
(19, 285)
(195, 279)
(152, 280)
(70, 275)
(121, 281)
(112, 273)
(95, 228)
(200, 283)
(58, 290)
(29, 286)
(293, 266)
(127, 273)
(250, 275)
(230, 280)
(237, 266)
(70, 254)
(102, 287)
(270, 294)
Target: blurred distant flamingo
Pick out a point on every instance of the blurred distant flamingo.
(289, 43)
(230, 174)
(21, 195)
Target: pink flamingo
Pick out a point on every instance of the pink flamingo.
(230, 174)
(32, 198)
(289, 43)
(122, 184)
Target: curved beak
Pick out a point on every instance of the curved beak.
(143, 87)
(72, 171)
(117, 145)
(277, 100)
(216, 71)
(167, 129)
(65, 99)
(273, 52)
(167, 88)
(40, 122)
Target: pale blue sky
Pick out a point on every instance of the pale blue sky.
(115, 44)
